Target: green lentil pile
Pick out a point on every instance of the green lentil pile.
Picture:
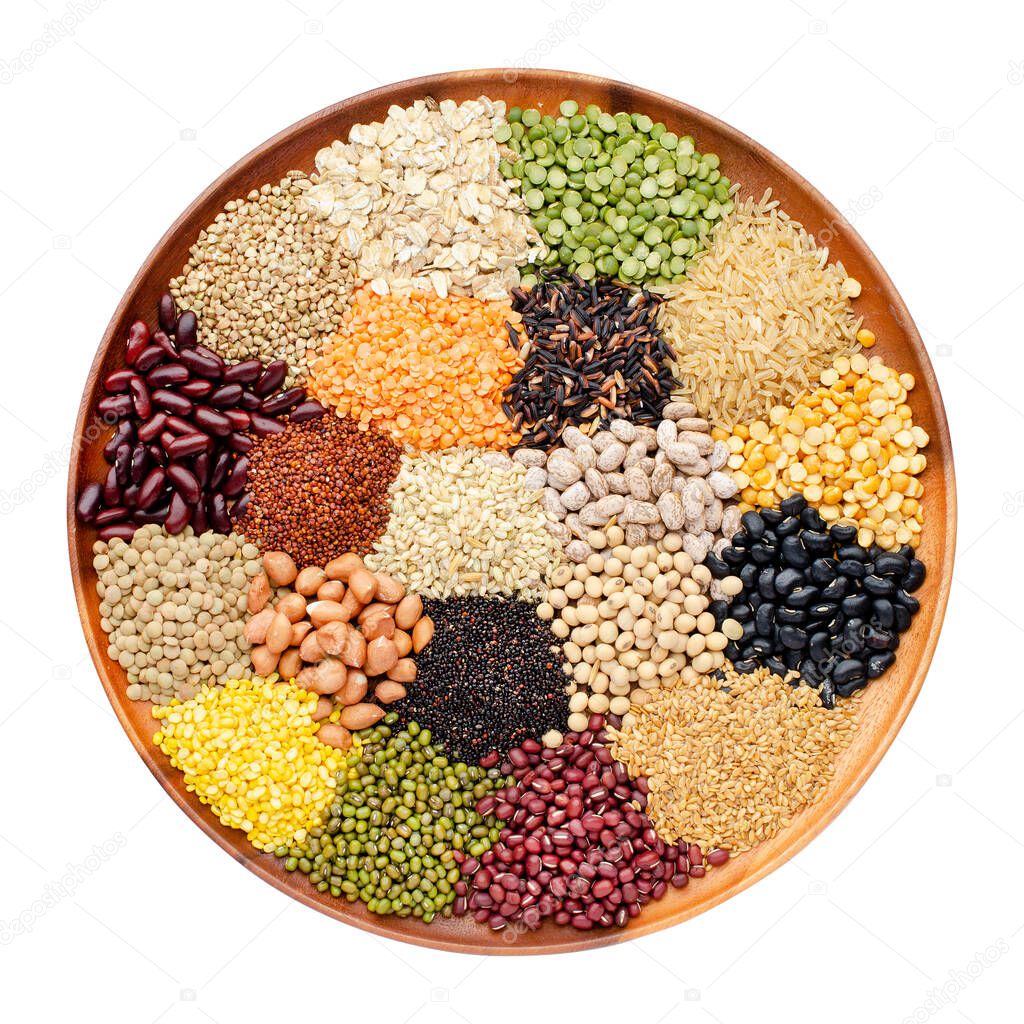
(612, 194)
(401, 811)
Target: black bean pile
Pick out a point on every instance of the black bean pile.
(814, 600)
(488, 679)
(591, 351)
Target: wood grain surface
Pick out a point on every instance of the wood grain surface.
(887, 701)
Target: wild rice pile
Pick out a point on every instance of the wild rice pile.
(463, 523)
(759, 317)
(731, 761)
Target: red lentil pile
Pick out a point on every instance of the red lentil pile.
(319, 489)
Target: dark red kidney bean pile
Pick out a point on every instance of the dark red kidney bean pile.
(814, 600)
(184, 423)
(577, 846)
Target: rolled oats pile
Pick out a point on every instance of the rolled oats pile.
(421, 204)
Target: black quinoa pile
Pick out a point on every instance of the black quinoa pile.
(489, 679)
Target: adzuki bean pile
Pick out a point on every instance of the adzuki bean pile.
(591, 352)
(814, 600)
(185, 421)
(320, 489)
(577, 845)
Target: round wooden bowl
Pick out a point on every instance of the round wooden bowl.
(887, 700)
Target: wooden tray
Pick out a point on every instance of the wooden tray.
(888, 700)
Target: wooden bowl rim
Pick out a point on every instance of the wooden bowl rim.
(645, 924)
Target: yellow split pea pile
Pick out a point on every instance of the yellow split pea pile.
(645, 515)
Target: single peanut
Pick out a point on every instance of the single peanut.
(259, 593)
(354, 689)
(381, 655)
(332, 590)
(422, 633)
(343, 566)
(264, 661)
(290, 664)
(360, 716)
(408, 612)
(279, 633)
(310, 580)
(279, 567)
(334, 736)
(327, 676)
(322, 612)
(293, 606)
(388, 588)
(380, 624)
(403, 642)
(363, 584)
(403, 670)
(256, 628)
(389, 691)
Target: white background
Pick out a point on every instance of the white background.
(907, 116)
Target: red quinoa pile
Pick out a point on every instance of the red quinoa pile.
(319, 489)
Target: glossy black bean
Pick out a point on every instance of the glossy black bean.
(822, 610)
(878, 586)
(914, 576)
(755, 600)
(882, 613)
(740, 540)
(740, 612)
(793, 637)
(787, 580)
(817, 542)
(827, 692)
(720, 610)
(855, 605)
(878, 639)
(904, 600)
(847, 670)
(771, 517)
(744, 665)
(822, 570)
(879, 662)
(803, 597)
(902, 617)
(853, 569)
(749, 632)
(818, 644)
(793, 553)
(843, 533)
(764, 619)
(836, 590)
(776, 665)
(850, 688)
(763, 553)
(854, 551)
(787, 527)
(761, 646)
(790, 616)
(718, 568)
(766, 582)
(753, 524)
(793, 505)
(733, 556)
(810, 519)
(891, 565)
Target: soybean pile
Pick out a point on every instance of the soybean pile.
(506, 517)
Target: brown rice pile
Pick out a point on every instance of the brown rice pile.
(760, 315)
(731, 762)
